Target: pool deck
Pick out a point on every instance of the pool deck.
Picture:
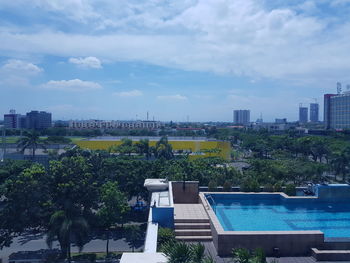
(189, 212)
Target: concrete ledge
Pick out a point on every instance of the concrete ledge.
(330, 255)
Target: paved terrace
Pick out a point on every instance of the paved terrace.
(189, 212)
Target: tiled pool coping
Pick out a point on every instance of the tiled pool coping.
(288, 243)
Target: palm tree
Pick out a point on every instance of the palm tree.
(186, 253)
(32, 141)
(164, 149)
(143, 148)
(65, 225)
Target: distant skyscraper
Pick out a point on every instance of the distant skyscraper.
(241, 117)
(38, 120)
(303, 116)
(337, 111)
(314, 112)
(13, 120)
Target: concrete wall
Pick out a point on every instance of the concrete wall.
(187, 195)
(164, 216)
(333, 192)
(289, 243)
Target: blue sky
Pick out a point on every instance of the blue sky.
(199, 58)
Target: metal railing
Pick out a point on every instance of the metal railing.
(214, 203)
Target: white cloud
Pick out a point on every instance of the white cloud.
(172, 97)
(71, 85)
(21, 67)
(338, 3)
(131, 93)
(87, 62)
(241, 37)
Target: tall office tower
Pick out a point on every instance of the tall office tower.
(38, 120)
(337, 110)
(13, 120)
(303, 116)
(314, 112)
(241, 117)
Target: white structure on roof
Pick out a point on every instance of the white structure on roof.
(156, 184)
(143, 258)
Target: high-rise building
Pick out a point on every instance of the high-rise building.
(241, 117)
(337, 111)
(38, 120)
(314, 107)
(13, 120)
(303, 116)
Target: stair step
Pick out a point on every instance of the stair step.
(192, 226)
(330, 255)
(192, 232)
(191, 220)
(195, 238)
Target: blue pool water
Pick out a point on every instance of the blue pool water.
(249, 212)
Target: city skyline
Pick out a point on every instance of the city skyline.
(201, 59)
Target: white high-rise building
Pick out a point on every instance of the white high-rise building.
(241, 117)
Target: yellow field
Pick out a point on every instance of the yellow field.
(197, 148)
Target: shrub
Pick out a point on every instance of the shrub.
(290, 189)
(177, 252)
(241, 255)
(91, 257)
(259, 255)
(212, 186)
(250, 185)
(227, 187)
(165, 235)
(268, 188)
(277, 187)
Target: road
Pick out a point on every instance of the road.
(36, 242)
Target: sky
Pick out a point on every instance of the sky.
(177, 60)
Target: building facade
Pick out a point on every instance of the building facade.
(99, 124)
(241, 117)
(38, 120)
(314, 112)
(13, 120)
(337, 111)
(303, 115)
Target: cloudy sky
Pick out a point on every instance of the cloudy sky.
(118, 59)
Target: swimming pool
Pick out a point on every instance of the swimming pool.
(273, 212)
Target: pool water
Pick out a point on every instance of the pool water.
(273, 212)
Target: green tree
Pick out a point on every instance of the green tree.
(113, 206)
(340, 162)
(24, 203)
(143, 148)
(164, 149)
(74, 198)
(134, 235)
(31, 140)
(65, 225)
